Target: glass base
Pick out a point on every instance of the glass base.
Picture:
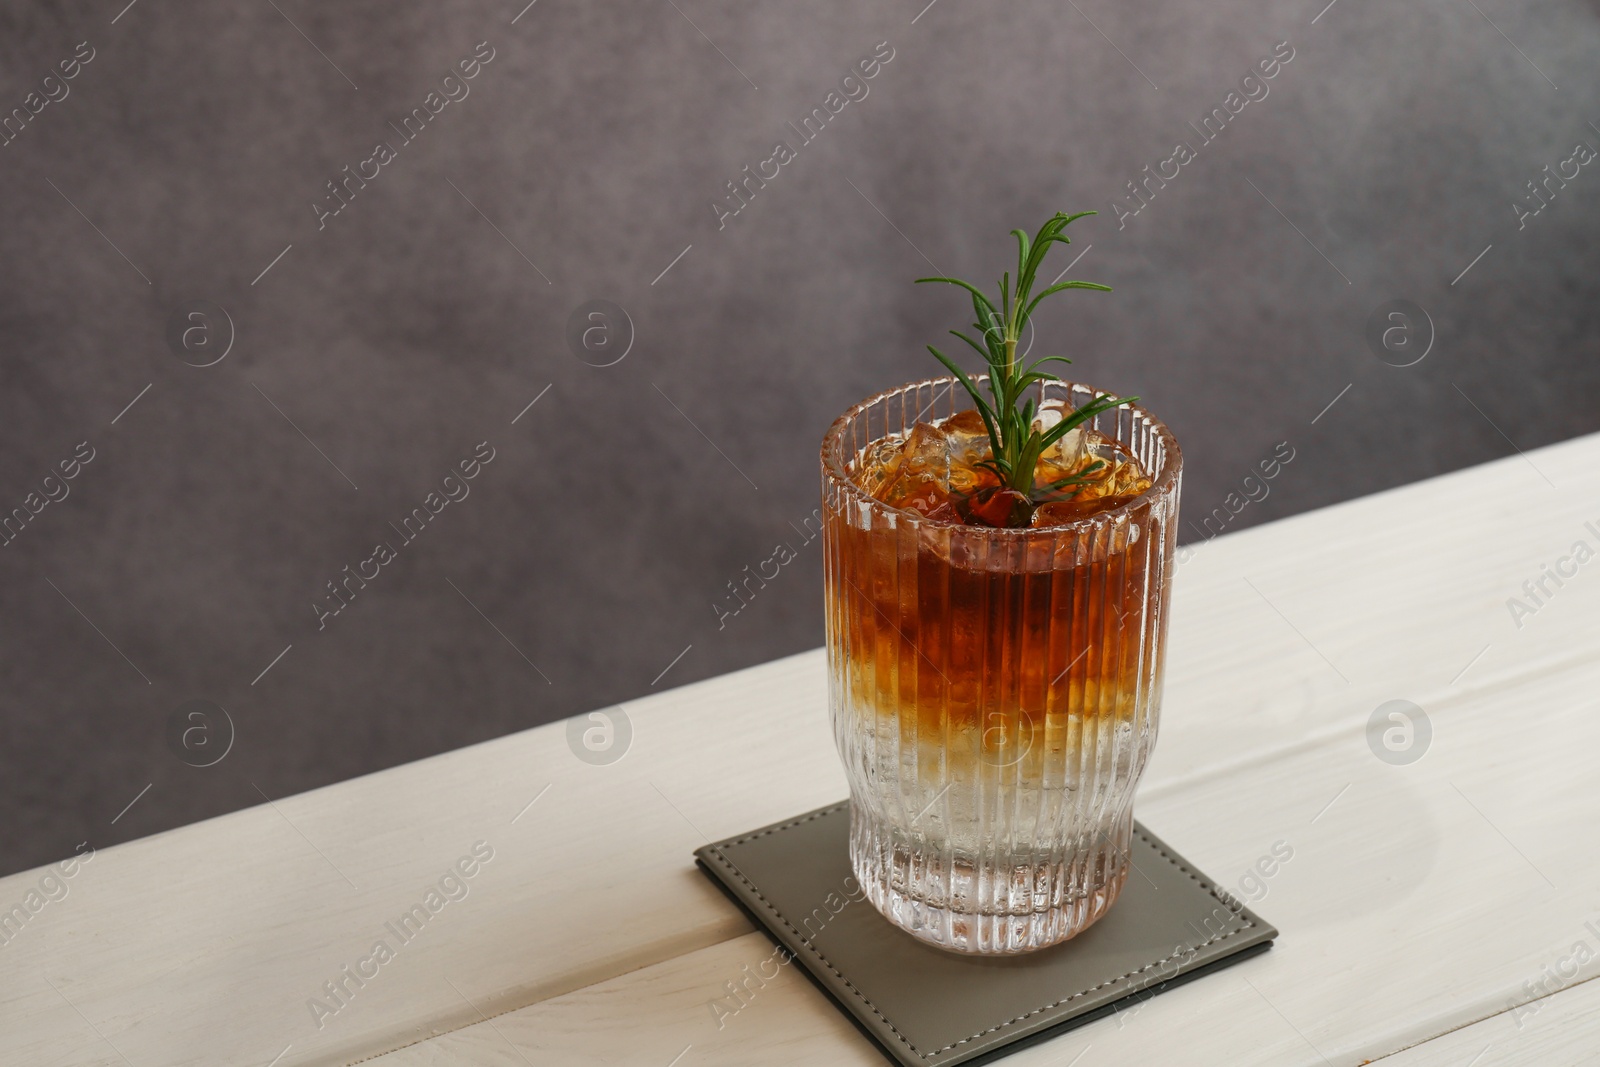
(998, 903)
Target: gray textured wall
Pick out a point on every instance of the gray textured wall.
(381, 348)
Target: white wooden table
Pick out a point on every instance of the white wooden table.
(1430, 911)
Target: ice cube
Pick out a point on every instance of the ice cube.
(1063, 459)
(926, 452)
(968, 423)
(969, 446)
(879, 463)
(1121, 476)
(1066, 450)
(1050, 412)
(968, 435)
(921, 479)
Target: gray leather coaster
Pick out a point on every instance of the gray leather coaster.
(924, 1005)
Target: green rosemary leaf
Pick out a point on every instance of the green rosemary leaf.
(1046, 359)
(1028, 262)
(984, 411)
(977, 294)
(976, 347)
(1084, 414)
(993, 332)
(1028, 457)
(1060, 286)
(1016, 445)
(1025, 380)
(1023, 248)
(966, 383)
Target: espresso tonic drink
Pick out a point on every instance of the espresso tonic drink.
(994, 685)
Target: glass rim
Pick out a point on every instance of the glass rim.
(1161, 484)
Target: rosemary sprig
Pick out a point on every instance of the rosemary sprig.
(1015, 443)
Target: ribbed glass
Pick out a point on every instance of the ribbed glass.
(994, 692)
